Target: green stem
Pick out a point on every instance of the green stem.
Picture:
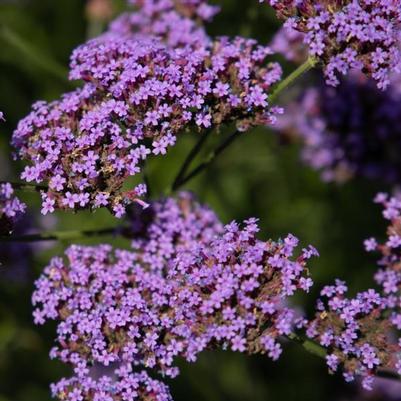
(189, 159)
(21, 186)
(285, 83)
(183, 179)
(208, 161)
(59, 235)
(314, 348)
(34, 55)
(308, 345)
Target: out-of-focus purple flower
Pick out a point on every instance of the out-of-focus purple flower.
(11, 208)
(347, 35)
(176, 22)
(351, 130)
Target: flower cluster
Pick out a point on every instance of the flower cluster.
(389, 274)
(11, 208)
(350, 130)
(355, 331)
(170, 226)
(138, 96)
(177, 22)
(290, 43)
(361, 333)
(122, 385)
(348, 34)
(116, 307)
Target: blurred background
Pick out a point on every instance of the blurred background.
(258, 176)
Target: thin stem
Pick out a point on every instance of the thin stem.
(34, 55)
(21, 186)
(309, 345)
(285, 83)
(59, 235)
(183, 179)
(208, 161)
(189, 159)
(314, 348)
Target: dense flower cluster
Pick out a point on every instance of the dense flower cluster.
(123, 385)
(115, 307)
(139, 95)
(348, 34)
(11, 208)
(355, 331)
(389, 274)
(169, 227)
(361, 333)
(176, 22)
(350, 130)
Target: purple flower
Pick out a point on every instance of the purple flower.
(11, 208)
(121, 384)
(139, 95)
(362, 35)
(176, 22)
(342, 145)
(187, 285)
(360, 332)
(332, 362)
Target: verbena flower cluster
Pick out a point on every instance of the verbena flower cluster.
(356, 332)
(290, 43)
(361, 333)
(124, 385)
(169, 227)
(138, 96)
(176, 22)
(11, 208)
(351, 130)
(227, 291)
(349, 34)
(389, 274)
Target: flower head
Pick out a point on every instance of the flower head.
(166, 299)
(345, 35)
(11, 208)
(138, 96)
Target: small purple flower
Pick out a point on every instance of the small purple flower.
(362, 35)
